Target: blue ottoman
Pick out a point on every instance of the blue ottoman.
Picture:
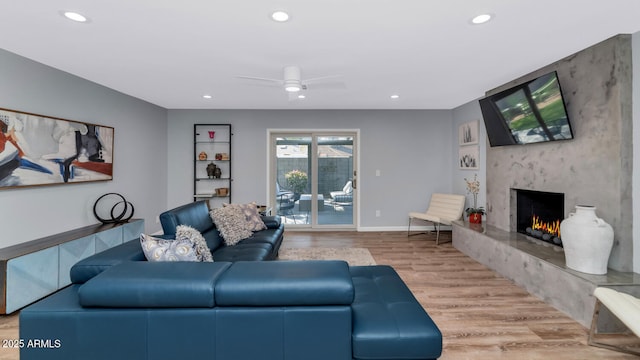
(388, 321)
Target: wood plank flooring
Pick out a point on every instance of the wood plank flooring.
(481, 314)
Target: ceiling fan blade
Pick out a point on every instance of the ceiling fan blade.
(321, 79)
(339, 85)
(278, 81)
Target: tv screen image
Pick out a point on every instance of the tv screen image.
(528, 113)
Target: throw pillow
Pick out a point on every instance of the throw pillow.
(202, 250)
(251, 214)
(156, 249)
(231, 223)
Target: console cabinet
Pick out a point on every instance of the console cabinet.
(212, 150)
(35, 269)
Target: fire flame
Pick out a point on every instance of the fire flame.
(552, 228)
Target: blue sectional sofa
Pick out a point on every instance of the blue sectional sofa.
(121, 306)
(267, 310)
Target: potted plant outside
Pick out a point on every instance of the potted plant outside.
(296, 181)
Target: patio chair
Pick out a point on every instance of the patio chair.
(443, 209)
(286, 202)
(344, 196)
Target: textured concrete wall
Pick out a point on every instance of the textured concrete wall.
(595, 167)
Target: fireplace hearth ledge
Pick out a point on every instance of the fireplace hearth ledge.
(540, 269)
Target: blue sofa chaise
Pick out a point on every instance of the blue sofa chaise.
(267, 310)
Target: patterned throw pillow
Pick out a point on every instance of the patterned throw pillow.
(231, 223)
(185, 232)
(251, 214)
(156, 249)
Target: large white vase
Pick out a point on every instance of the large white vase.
(587, 241)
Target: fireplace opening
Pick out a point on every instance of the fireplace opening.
(539, 215)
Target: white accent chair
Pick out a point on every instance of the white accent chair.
(443, 209)
(625, 308)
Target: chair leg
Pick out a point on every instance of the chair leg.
(612, 344)
(409, 229)
(437, 233)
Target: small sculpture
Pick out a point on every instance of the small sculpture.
(202, 156)
(217, 173)
(211, 170)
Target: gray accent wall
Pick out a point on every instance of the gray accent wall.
(636, 149)
(140, 168)
(407, 146)
(595, 168)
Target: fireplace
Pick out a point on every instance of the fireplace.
(539, 213)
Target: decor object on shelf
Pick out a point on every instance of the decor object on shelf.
(112, 198)
(44, 150)
(211, 170)
(202, 156)
(587, 241)
(296, 180)
(222, 191)
(211, 134)
(474, 213)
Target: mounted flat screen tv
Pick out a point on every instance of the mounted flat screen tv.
(532, 112)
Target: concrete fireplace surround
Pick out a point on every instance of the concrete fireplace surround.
(594, 168)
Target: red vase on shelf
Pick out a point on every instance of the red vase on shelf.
(475, 218)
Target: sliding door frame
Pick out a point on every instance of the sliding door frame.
(313, 133)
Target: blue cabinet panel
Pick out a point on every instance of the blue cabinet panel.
(71, 253)
(31, 277)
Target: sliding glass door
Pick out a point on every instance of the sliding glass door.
(314, 177)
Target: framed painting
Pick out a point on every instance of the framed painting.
(43, 150)
(468, 133)
(468, 158)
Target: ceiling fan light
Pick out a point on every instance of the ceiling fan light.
(292, 86)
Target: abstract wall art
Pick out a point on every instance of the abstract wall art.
(43, 150)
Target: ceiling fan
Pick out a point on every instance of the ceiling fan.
(292, 81)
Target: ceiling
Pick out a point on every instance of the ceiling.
(171, 52)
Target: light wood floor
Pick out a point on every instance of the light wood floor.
(481, 314)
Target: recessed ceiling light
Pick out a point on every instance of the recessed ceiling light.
(301, 96)
(395, 96)
(280, 16)
(72, 15)
(207, 96)
(481, 19)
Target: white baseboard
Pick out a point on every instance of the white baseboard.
(402, 228)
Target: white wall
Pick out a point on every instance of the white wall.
(462, 114)
(635, 45)
(407, 146)
(139, 152)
